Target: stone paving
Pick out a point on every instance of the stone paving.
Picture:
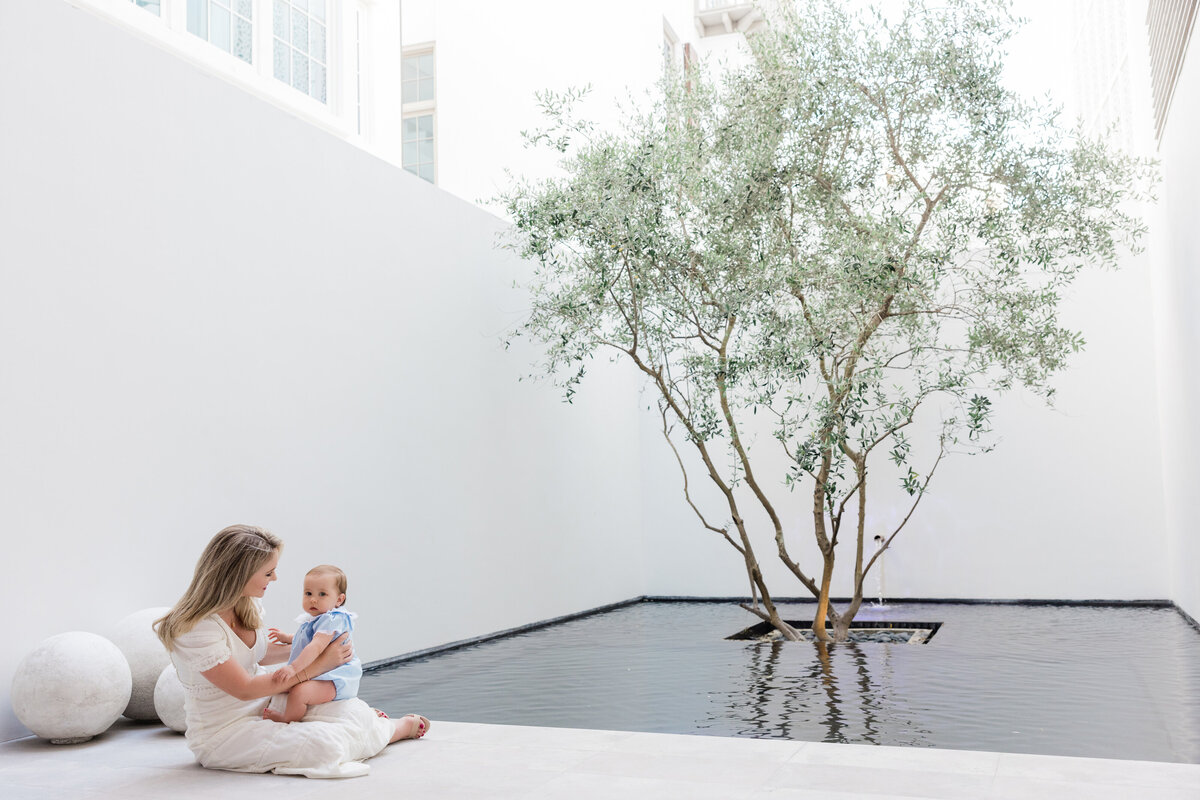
(465, 760)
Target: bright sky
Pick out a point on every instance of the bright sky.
(1040, 57)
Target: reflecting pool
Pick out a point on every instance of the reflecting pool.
(1109, 682)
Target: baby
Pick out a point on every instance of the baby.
(323, 620)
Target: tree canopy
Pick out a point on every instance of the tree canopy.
(860, 223)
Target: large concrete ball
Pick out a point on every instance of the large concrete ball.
(146, 656)
(168, 699)
(72, 687)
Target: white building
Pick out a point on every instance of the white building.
(492, 58)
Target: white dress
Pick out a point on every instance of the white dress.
(227, 733)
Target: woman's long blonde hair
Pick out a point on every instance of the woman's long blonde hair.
(224, 568)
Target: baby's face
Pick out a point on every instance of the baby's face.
(321, 594)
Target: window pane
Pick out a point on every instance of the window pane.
(426, 89)
(408, 69)
(283, 22)
(408, 92)
(283, 61)
(410, 129)
(300, 32)
(412, 168)
(316, 40)
(318, 82)
(300, 71)
(218, 28)
(425, 126)
(245, 8)
(243, 38)
(197, 14)
(425, 152)
(317, 9)
(301, 4)
(410, 153)
(427, 172)
(426, 65)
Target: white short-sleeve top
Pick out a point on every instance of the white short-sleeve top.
(210, 643)
(227, 733)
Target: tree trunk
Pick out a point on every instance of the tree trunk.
(818, 625)
(789, 633)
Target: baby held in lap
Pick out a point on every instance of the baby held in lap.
(323, 620)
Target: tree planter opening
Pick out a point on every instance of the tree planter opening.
(863, 632)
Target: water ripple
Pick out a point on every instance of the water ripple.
(1060, 680)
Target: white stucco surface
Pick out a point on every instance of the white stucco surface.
(215, 313)
(1176, 250)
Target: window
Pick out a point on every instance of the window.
(227, 24)
(301, 44)
(153, 6)
(314, 58)
(358, 86)
(417, 74)
(669, 43)
(418, 146)
(418, 94)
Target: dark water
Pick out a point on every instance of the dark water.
(1060, 680)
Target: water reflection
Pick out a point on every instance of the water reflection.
(1054, 680)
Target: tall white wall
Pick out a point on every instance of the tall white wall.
(213, 312)
(1176, 251)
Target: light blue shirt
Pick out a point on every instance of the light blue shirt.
(338, 621)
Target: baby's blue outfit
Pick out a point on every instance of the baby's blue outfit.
(338, 621)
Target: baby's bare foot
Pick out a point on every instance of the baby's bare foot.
(274, 716)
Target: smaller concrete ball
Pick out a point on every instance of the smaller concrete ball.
(72, 687)
(168, 700)
(146, 655)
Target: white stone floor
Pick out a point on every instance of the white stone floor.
(463, 760)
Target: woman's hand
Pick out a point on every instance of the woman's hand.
(283, 674)
(338, 652)
(278, 636)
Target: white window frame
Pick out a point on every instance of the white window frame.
(358, 86)
(170, 32)
(671, 40)
(432, 114)
(421, 108)
(331, 67)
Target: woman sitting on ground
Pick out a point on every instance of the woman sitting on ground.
(217, 642)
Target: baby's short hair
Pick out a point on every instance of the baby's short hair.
(329, 569)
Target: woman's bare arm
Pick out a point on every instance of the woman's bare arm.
(229, 677)
(276, 653)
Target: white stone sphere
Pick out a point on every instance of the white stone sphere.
(146, 656)
(168, 699)
(72, 687)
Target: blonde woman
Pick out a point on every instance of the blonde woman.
(217, 642)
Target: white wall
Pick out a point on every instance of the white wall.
(1176, 251)
(213, 312)
(1068, 506)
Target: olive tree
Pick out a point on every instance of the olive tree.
(859, 234)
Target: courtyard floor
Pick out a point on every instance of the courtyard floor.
(464, 760)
